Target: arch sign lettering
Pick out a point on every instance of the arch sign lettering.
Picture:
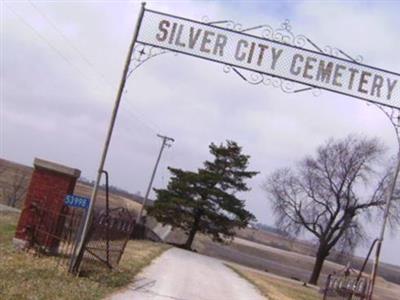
(241, 50)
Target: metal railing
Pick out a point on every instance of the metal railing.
(346, 284)
(53, 232)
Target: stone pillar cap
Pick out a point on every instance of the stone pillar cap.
(55, 167)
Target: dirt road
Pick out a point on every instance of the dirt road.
(183, 275)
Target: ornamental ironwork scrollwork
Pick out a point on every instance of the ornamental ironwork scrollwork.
(142, 53)
(282, 34)
(393, 114)
(256, 78)
(285, 35)
(228, 24)
(333, 51)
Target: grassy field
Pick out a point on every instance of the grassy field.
(275, 240)
(271, 252)
(275, 288)
(25, 276)
(388, 271)
(85, 190)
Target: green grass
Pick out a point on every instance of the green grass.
(26, 276)
(274, 288)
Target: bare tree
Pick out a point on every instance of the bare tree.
(17, 188)
(328, 195)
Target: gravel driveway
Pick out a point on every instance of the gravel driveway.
(182, 275)
(8, 208)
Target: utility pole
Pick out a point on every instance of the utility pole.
(165, 140)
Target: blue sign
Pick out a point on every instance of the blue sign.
(76, 201)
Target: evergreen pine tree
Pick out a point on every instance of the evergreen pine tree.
(205, 201)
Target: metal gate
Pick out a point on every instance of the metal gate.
(57, 233)
(105, 242)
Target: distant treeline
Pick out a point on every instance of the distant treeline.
(268, 228)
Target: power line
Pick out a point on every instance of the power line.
(68, 61)
(71, 44)
(39, 35)
(88, 62)
(50, 44)
(135, 116)
(140, 117)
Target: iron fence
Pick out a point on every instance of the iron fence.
(57, 231)
(54, 232)
(348, 285)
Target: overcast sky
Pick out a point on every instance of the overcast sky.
(61, 62)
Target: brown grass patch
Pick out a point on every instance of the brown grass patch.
(24, 276)
(275, 288)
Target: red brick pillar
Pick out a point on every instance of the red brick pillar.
(44, 203)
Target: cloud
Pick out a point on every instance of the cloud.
(57, 106)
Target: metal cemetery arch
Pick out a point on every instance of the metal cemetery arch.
(158, 33)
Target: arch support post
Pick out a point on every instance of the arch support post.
(382, 233)
(395, 121)
(108, 137)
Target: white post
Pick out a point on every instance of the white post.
(387, 209)
(146, 197)
(382, 233)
